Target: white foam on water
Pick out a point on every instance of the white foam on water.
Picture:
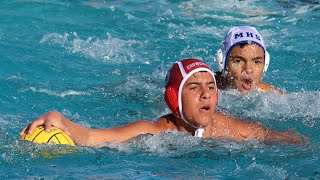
(303, 106)
(251, 12)
(269, 171)
(53, 93)
(305, 9)
(110, 49)
(170, 143)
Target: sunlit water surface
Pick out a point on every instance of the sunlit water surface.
(103, 63)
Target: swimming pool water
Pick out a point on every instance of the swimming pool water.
(103, 63)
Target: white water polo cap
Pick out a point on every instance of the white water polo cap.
(177, 75)
(240, 35)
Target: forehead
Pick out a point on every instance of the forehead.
(202, 76)
(247, 47)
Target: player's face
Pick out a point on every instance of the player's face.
(245, 67)
(199, 98)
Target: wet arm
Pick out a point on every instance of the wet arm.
(262, 134)
(239, 130)
(92, 137)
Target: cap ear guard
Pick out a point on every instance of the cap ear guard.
(171, 98)
(266, 61)
(219, 59)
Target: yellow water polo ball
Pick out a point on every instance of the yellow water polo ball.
(55, 136)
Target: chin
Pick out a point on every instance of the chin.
(204, 122)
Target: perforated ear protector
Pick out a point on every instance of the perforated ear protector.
(171, 97)
(266, 61)
(220, 60)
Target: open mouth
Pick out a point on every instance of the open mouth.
(205, 108)
(246, 83)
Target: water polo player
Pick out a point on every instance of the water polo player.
(243, 60)
(192, 96)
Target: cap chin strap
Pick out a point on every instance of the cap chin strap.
(199, 132)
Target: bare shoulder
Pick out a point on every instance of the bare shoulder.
(231, 121)
(166, 122)
(236, 129)
(266, 87)
(163, 123)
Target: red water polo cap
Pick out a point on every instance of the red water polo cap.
(175, 79)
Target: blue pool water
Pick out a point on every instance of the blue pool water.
(103, 63)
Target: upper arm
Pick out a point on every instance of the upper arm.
(240, 130)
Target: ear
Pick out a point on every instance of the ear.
(219, 60)
(266, 62)
(171, 98)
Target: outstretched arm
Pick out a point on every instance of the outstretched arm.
(92, 137)
(239, 130)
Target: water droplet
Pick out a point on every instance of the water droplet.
(234, 7)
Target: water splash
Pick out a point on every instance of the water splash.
(109, 49)
(53, 93)
(302, 106)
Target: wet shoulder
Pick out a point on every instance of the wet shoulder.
(266, 87)
(166, 122)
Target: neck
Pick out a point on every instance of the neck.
(185, 127)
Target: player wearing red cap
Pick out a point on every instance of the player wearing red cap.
(192, 95)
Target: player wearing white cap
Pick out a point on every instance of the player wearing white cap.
(243, 60)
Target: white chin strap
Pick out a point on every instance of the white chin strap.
(199, 132)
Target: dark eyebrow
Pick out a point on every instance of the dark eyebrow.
(193, 82)
(234, 57)
(240, 57)
(258, 57)
(198, 83)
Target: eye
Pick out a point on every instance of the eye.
(258, 61)
(212, 87)
(236, 61)
(193, 88)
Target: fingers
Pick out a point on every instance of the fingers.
(47, 125)
(46, 120)
(299, 139)
(30, 128)
(23, 132)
